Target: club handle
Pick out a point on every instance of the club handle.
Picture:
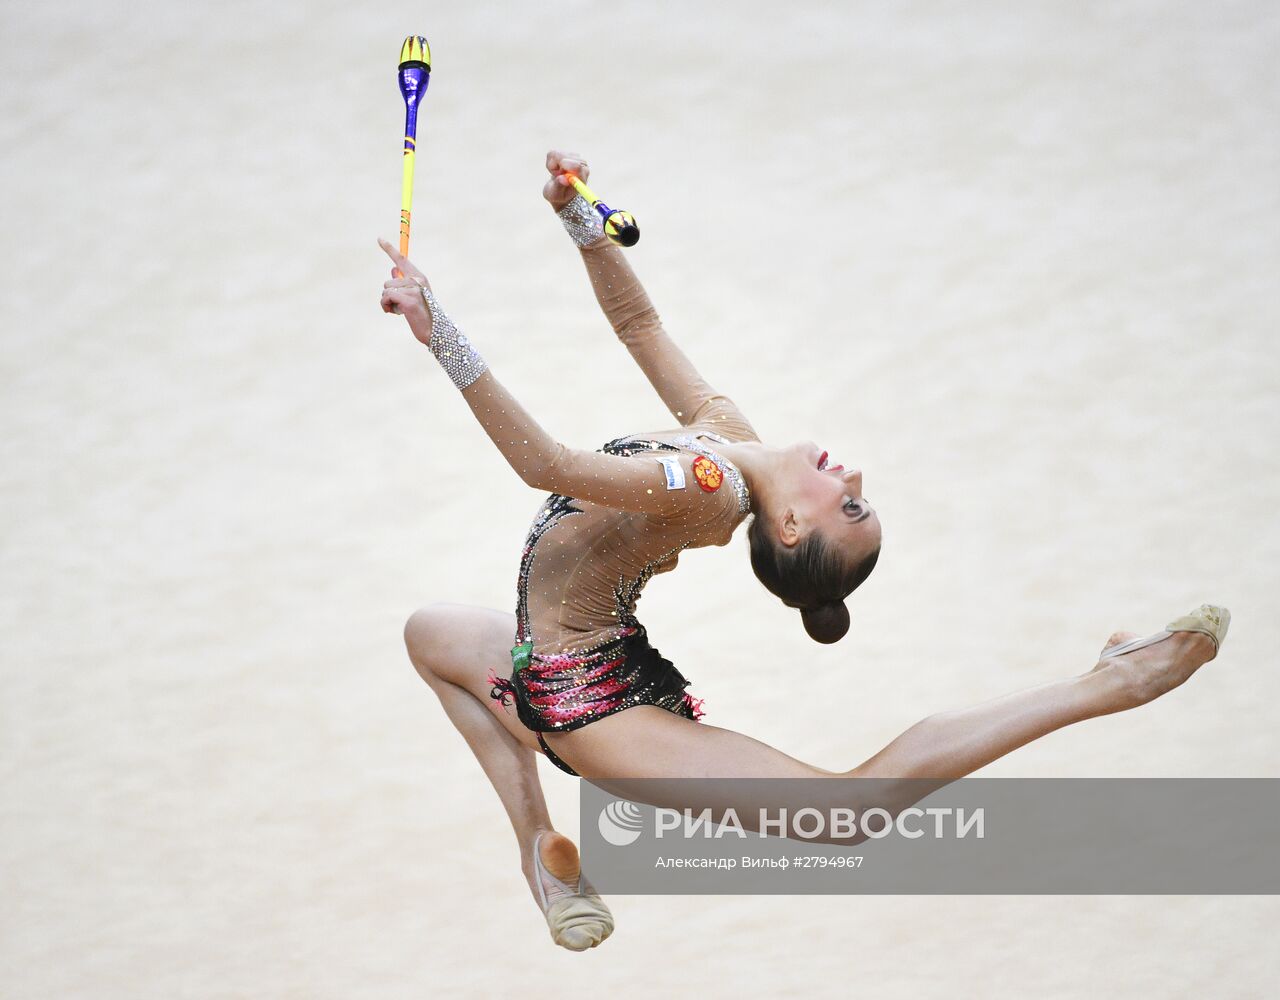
(582, 189)
(406, 196)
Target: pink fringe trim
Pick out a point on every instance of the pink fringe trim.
(502, 688)
(695, 706)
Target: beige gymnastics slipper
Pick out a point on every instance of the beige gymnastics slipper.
(1208, 619)
(577, 918)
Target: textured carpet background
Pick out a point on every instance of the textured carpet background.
(1017, 260)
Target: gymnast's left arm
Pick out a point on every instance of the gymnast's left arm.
(540, 460)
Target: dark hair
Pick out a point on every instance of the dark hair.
(810, 575)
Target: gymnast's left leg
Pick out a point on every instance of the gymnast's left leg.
(454, 648)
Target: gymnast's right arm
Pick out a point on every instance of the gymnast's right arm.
(626, 304)
(538, 458)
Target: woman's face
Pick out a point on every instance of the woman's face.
(824, 496)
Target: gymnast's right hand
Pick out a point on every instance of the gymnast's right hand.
(403, 295)
(557, 190)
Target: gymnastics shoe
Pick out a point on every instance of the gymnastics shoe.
(577, 918)
(1208, 619)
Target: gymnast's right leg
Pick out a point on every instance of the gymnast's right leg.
(648, 742)
(454, 647)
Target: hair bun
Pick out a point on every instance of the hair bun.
(826, 623)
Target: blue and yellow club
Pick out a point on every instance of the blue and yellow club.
(415, 74)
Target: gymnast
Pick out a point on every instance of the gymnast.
(585, 687)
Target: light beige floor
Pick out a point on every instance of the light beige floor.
(1017, 260)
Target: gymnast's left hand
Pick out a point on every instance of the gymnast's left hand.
(402, 295)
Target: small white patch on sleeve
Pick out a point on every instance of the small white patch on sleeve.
(675, 472)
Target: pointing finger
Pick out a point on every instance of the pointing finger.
(393, 253)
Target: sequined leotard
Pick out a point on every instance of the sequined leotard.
(580, 654)
(615, 517)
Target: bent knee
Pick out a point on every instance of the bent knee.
(424, 635)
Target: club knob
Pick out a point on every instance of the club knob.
(415, 68)
(621, 228)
